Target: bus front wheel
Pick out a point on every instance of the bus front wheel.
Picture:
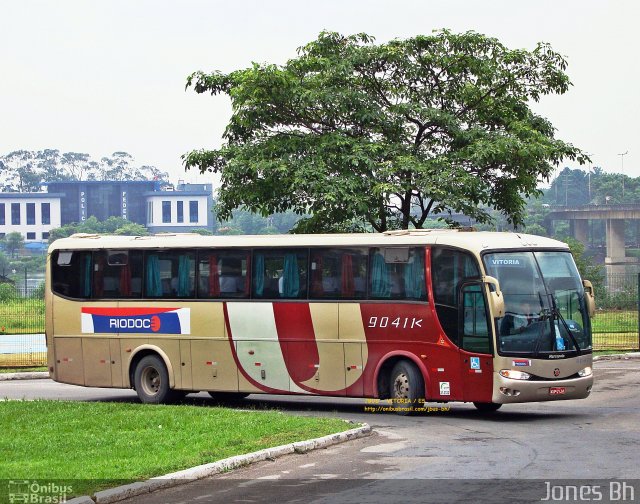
(406, 388)
(152, 381)
(487, 407)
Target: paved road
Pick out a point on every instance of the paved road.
(407, 458)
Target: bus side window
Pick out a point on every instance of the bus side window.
(397, 273)
(71, 275)
(117, 274)
(169, 274)
(280, 274)
(338, 273)
(223, 274)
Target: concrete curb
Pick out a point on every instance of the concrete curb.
(31, 375)
(204, 471)
(624, 356)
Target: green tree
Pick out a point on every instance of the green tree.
(587, 268)
(13, 242)
(202, 232)
(25, 170)
(132, 229)
(113, 225)
(569, 188)
(384, 135)
(19, 173)
(110, 225)
(7, 292)
(76, 165)
(63, 232)
(4, 264)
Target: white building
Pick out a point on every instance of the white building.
(33, 215)
(186, 209)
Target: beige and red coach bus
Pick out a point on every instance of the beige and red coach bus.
(487, 318)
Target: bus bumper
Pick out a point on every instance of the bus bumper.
(506, 390)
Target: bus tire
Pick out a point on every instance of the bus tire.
(487, 407)
(151, 379)
(406, 388)
(227, 396)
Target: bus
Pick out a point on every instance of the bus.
(403, 316)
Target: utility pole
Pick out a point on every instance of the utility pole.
(589, 177)
(622, 155)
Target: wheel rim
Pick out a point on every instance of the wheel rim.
(150, 381)
(401, 386)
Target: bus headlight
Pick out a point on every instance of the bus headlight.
(514, 375)
(585, 372)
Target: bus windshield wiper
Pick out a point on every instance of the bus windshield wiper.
(556, 312)
(545, 314)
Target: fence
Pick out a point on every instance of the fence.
(22, 326)
(615, 325)
(22, 343)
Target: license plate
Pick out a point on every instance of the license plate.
(557, 390)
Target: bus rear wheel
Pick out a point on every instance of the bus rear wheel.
(487, 407)
(406, 388)
(151, 379)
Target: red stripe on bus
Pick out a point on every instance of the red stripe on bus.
(297, 339)
(124, 312)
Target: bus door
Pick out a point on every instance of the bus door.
(476, 360)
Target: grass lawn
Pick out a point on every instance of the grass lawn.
(22, 316)
(20, 369)
(615, 341)
(611, 321)
(93, 446)
(34, 359)
(615, 329)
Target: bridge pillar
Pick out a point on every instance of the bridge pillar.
(615, 239)
(580, 230)
(615, 262)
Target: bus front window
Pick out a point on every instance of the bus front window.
(544, 303)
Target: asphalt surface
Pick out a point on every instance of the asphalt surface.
(450, 454)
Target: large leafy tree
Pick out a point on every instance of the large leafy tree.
(385, 135)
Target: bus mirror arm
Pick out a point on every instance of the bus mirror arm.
(589, 298)
(496, 299)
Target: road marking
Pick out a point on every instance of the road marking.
(270, 477)
(304, 466)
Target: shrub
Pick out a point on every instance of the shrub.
(38, 292)
(7, 292)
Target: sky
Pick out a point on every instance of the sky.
(105, 76)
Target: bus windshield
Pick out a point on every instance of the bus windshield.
(545, 310)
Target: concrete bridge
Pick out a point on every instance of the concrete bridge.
(614, 217)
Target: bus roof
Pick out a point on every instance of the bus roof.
(470, 240)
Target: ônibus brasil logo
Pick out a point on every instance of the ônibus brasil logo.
(136, 320)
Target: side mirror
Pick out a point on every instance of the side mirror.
(496, 299)
(589, 298)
